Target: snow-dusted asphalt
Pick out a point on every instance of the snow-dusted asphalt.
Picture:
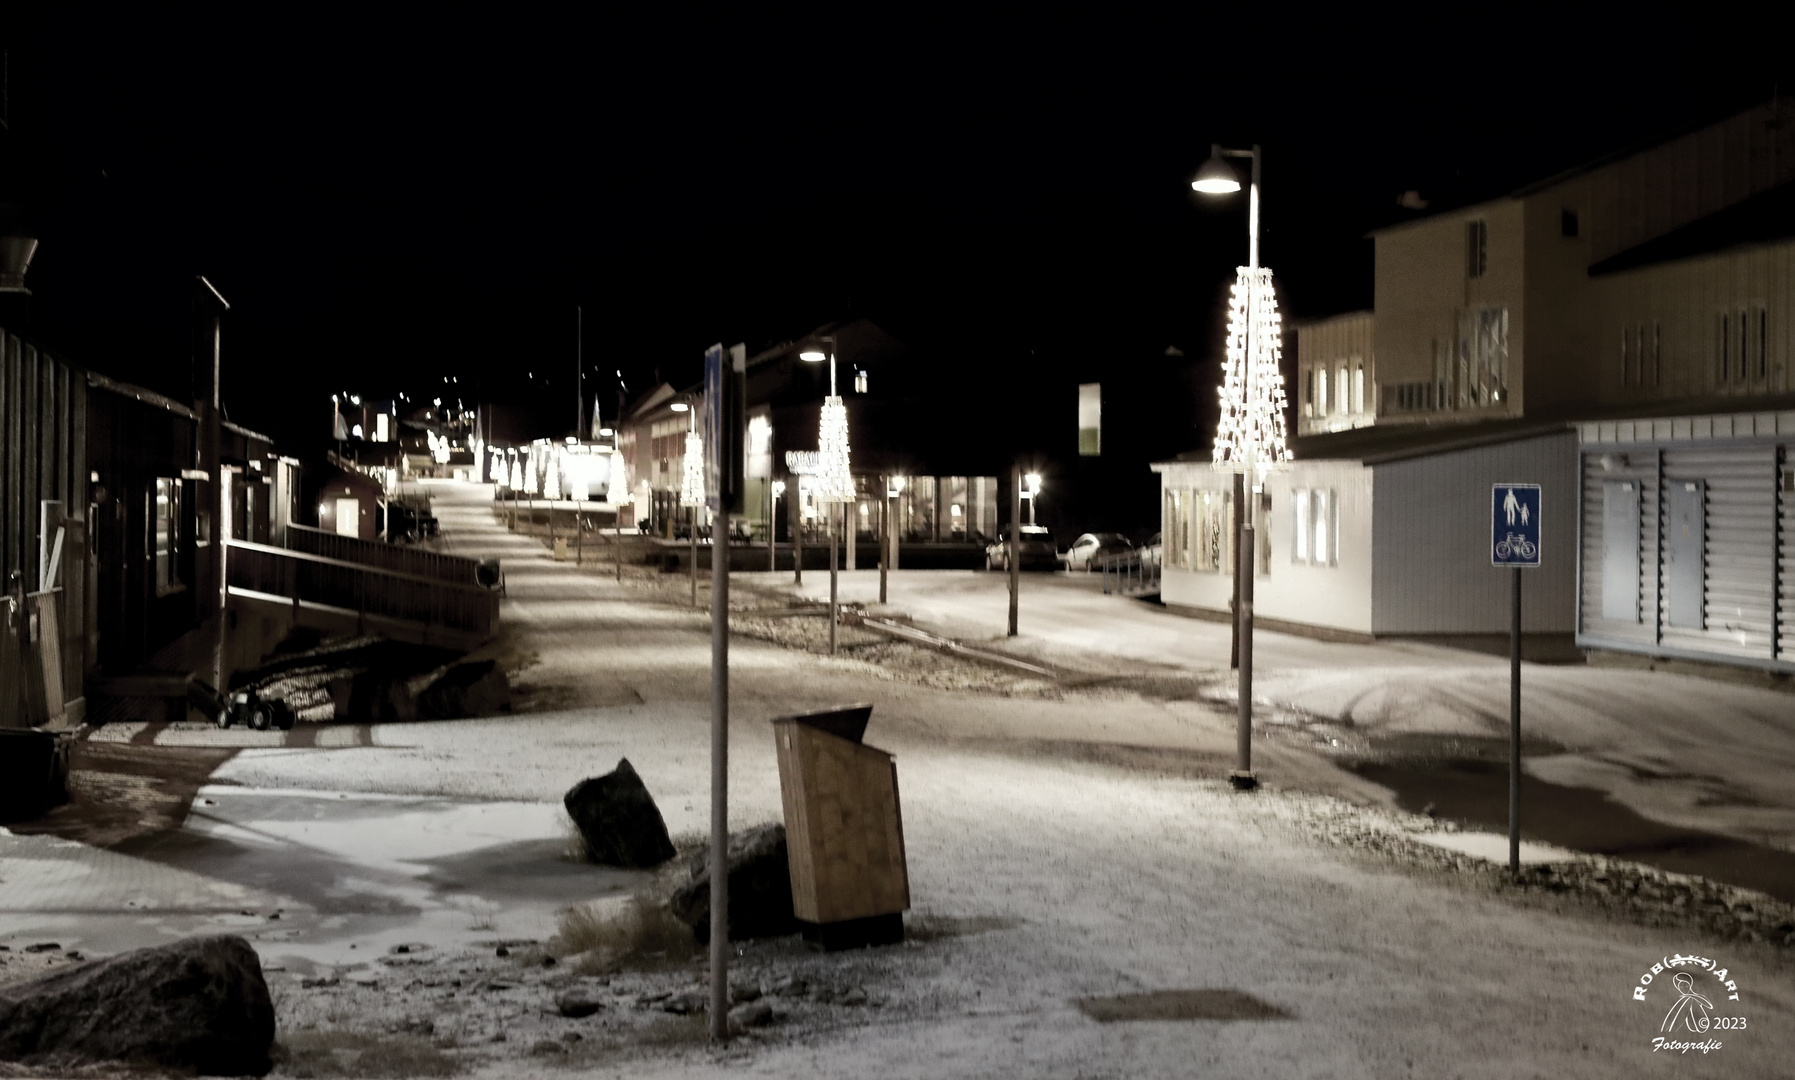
(1087, 875)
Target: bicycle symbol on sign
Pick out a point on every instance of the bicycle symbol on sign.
(1513, 545)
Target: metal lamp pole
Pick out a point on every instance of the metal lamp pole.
(834, 603)
(1217, 178)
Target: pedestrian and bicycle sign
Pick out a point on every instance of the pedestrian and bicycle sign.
(1514, 525)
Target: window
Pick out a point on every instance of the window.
(1477, 242)
(1309, 392)
(1567, 222)
(1315, 520)
(1358, 388)
(1742, 350)
(1657, 354)
(1623, 354)
(165, 534)
(1343, 397)
(1483, 356)
(1299, 506)
(1763, 343)
(1321, 391)
(1723, 357)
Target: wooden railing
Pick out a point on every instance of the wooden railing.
(402, 560)
(370, 591)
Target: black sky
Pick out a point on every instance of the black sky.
(388, 194)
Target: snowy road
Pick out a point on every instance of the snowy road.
(1084, 845)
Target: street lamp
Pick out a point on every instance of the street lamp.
(777, 491)
(894, 488)
(835, 481)
(1250, 434)
(691, 484)
(1032, 485)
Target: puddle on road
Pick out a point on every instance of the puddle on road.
(1466, 779)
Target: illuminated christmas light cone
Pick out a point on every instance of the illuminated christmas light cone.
(834, 480)
(1250, 436)
(691, 483)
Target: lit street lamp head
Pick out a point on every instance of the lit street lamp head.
(813, 356)
(679, 406)
(1216, 177)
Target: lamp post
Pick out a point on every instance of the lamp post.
(1250, 437)
(774, 490)
(1032, 486)
(894, 487)
(691, 483)
(1015, 559)
(835, 481)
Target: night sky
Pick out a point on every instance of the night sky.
(388, 195)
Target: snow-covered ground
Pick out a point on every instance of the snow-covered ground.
(1684, 750)
(1060, 847)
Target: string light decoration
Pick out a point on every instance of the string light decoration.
(1250, 434)
(691, 483)
(517, 475)
(834, 480)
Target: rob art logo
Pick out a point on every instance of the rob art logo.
(1698, 1001)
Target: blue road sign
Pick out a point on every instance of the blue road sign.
(1514, 525)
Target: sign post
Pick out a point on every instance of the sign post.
(1514, 542)
(725, 378)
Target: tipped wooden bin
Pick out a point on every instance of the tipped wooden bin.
(844, 832)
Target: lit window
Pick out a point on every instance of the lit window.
(859, 382)
(1321, 392)
(1299, 505)
(1358, 389)
(1324, 517)
(165, 523)
(1342, 396)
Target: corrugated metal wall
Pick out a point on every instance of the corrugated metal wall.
(42, 458)
(1744, 514)
(1431, 571)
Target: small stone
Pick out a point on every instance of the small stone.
(547, 1046)
(572, 1037)
(744, 991)
(751, 1015)
(790, 986)
(500, 951)
(692, 1001)
(44, 946)
(575, 1005)
(856, 996)
(497, 1036)
(548, 961)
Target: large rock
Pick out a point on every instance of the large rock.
(619, 820)
(476, 688)
(760, 888)
(199, 1004)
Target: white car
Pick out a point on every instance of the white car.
(1090, 546)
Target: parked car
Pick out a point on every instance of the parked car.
(1153, 551)
(1092, 545)
(1038, 552)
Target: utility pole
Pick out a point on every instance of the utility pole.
(1015, 559)
(579, 373)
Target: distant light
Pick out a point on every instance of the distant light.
(355, 399)
(679, 406)
(356, 431)
(1033, 480)
(571, 440)
(333, 397)
(605, 433)
(897, 484)
(813, 356)
(1216, 177)
(779, 489)
(438, 402)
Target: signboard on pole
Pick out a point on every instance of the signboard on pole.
(1514, 525)
(725, 376)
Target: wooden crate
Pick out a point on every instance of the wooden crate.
(843, 828)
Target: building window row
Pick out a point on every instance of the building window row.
(165, 534)
(1641, 354)
(1334, 389)
(1742, 346)
(1477, 248)
(1199, 527)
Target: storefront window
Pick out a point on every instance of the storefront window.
(165, 534)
